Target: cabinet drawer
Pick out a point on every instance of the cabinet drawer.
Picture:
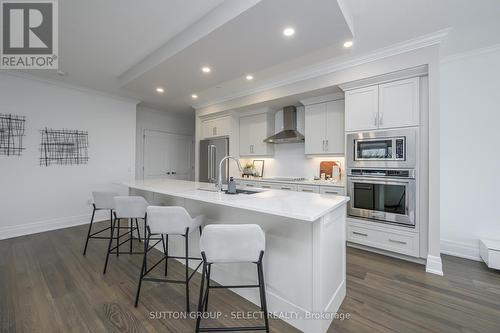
(286, 187)
(308, 188)
(332, 190)
(399, 242)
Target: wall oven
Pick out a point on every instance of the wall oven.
(382, 149)
(384, 195)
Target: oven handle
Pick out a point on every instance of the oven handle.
(376, 180)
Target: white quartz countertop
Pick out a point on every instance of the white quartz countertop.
(296, 205)
(299, 182)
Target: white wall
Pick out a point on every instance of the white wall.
(36, 198)
(152, 119)
(470, 156)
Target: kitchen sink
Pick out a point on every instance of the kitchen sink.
(238, 191)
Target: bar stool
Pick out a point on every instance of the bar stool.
(231, 243)
(102, 201)
(169, 220)
(131, 208)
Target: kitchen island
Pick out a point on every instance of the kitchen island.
(304, 262)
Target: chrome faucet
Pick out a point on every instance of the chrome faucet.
(219, 179)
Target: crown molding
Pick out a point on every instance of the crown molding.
(66, 85)
(331, 66)
(472, 53)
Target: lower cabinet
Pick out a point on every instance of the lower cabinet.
(382, 237)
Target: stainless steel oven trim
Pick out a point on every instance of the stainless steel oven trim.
(410, 135)
(407, 219)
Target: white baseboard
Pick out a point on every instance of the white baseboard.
(434, 265)
(52, 224)
(459, 249)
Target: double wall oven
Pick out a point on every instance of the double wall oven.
(381, 176)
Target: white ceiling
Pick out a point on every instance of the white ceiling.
(129, 47)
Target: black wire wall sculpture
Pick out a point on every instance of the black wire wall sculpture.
(11, 134)
(63, 147)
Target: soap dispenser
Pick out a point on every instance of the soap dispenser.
(231, 186)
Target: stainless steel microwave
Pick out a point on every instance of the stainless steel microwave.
(382, 149)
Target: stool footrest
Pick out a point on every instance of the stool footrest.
(162, 280)
(232, 287)
(231, 329)
(98, 232)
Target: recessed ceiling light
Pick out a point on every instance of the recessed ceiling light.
(160, 90)
(206, 69)
(288, 32)
(348, 44)
(249, 77)
(194, 96)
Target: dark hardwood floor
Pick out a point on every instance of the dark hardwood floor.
(46, 285)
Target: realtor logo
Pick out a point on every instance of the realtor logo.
(29, 37)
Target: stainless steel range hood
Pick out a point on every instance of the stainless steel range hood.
(289, 134)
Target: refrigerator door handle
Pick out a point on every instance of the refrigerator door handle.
(214, 162)
(209, 147)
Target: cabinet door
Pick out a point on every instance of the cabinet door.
(207, 127)
(216, 127)
(399, 103)
(315, 128)
(361, 109)
(245, 135)
(335, 135)
(253, 131)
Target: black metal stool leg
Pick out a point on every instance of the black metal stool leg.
(262, 288)
(131, 224)
(187, 269)
(165, 251)
(138, 233)
(143, 270)
(90, 229)
(109, 245)
(208, 286)
(118, 239)
(201, 297)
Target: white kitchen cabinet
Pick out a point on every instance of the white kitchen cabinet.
(399, 103)
(388, 105)
(253, 130)
(216, 127)
(324, 128)
(308, 188)
(336, 190)
(381, 237)
(361, 109)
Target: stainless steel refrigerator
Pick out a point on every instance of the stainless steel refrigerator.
(212, 151)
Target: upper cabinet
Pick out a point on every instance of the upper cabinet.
(253, 130)
(324, 128)
(387, 105)
(216, 127)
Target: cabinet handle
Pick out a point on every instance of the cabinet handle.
(168, 173)
(251, 148)
(266, 186)
(331, 192)
(375, 118)
(397, 241)
(250, 185)
(214, 131)
(174, 173)
(326, 149)
(380, 118)
(323, 145)
(285, 188)
(359, 234)
(307, 190)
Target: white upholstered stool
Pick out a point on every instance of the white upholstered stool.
(169, 220)
(131, 208)
(231, 243)
(102, 201)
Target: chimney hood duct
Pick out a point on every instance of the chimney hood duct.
(289, 134)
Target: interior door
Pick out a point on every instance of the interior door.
(167, 155)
